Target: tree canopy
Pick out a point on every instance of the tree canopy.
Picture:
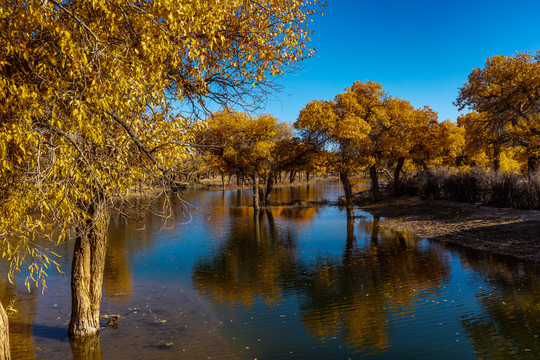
(85, 101)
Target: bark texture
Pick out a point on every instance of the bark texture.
(344, 177)
(269, 189)
(4, 335)
(375, 183)
(397, 175)
(87, 273)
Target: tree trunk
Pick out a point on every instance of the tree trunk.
(4, 335)
(344, 176)
(262, 198)
(496, 157)
(397, 174)
(269, 189)
(256, 205)
(307, 177)
(87, 272)
(532, 164)
(86, 348)
(292, 176)
(376, 191)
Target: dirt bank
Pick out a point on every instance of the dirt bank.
(501, 231)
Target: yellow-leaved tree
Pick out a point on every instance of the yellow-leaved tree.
(506, 92)
(364, 128)
(242, 145)
(85, 89)
(342, 134)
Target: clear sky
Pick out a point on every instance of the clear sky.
(421, 51)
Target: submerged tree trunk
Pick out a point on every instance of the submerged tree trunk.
(87, 272)
(269, 189)
(256, 204)
(496, 157)
(374, 183)
(344, 177)
(397, 174)
(4, 335)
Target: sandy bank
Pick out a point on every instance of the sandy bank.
(501, 231)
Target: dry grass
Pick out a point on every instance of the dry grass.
(476, 186)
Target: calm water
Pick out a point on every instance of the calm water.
(290, 283)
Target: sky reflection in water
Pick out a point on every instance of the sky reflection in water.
(298, 283)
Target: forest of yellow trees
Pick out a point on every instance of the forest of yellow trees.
(87, 106)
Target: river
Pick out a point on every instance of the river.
(293, 282)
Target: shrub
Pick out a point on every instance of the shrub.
(475, 186)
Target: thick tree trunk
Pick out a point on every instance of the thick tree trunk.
(496, 157)
(397, 174)
(86, 348)
(344, 177)
(87, 272)
(376, 191)
(269, 189)
(256, 204)
(4, 335)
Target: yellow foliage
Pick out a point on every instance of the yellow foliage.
(85, 89)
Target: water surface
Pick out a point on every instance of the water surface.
(290, 283)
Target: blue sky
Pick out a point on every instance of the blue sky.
(421, 51)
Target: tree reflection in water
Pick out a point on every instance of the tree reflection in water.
(354, 298)
(86, 348)
(253, 262)
(351, 297)
(508, 327)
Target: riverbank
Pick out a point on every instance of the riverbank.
(502, 231)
